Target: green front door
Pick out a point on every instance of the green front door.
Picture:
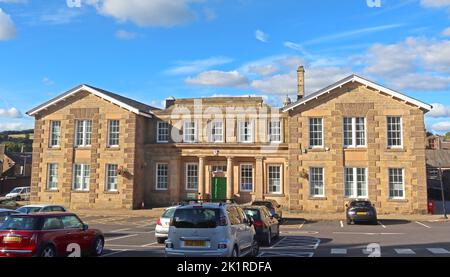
(219, 188)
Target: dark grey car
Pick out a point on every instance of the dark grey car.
(361, 211)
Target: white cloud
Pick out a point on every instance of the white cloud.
(441, 126)
(293, 46)
(190, 67)
(47, 81)
(439, 110)
(13, 1)
(15, 126)
(217, 78)
(261, 36)
(435, 3)
(446, 32)
(12, 112)
(126, 35)
(146, 13)
(7, 27)
(60, 16)
(263, 70)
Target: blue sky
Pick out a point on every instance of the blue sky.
(151, 49)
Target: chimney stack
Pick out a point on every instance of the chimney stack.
(300, 82)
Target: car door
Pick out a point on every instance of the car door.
(269, 219)
(76, 236)
(247, 235)
(235, 226)
(54, 232)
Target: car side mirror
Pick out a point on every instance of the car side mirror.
(346, 205)
(85, 227)
(278, 206)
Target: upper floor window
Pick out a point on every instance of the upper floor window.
(113, 133)
(316, 132)
(162, 176)
(354, 131)
(246, 177)
(396, 183)
(356, 183)
(81, 177)
(216, 131)
(275, 131)
(52, 177)
(162, 132)
(274, 178)
(83, 135)
(111, 177)
(190, 131)
(55, 133)
(394, 131)
(245, 131)
(192, 176)
(317, 182)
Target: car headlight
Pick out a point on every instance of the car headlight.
(351, 212)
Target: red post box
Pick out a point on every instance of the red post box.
(431, 207)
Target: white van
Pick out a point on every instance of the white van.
(19, 194)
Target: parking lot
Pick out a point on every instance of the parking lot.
(134, 237)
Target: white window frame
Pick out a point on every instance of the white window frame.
(355, 183)
(212, 137)
(310, 132)
(157, 177)
(185, 135)
(311, 189)
(280, 130)
(52, 134)
(187, 177)
(403, 184)
(241, 184)
(251, 128)
(51, 179)
(82, 177)
(269, 179)
(84, 137)
(354, 132)
(112, 145)
(108, 178)
(158, 130)
(401, 132)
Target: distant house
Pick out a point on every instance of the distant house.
(15, 170)
(436, 142)
(438, 159)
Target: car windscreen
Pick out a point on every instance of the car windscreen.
(266, 204)
(20, 223)
(29, 210)
(16, 190)
(360, 204)
(253, 213)
(168, 213)
(196, 218)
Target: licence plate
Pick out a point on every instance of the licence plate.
(12, 239)
(195, 243)
(361, 213)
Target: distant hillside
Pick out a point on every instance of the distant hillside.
(16, 140)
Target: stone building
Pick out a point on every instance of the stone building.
(353, 139)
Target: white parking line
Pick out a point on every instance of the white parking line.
(121, 237)
(405, 251)
(382, 225)
(342, 224)
(278, 242)
(338, 251)
(150, 244)
(301, 225)
(424, 225)
(115, 252)
(120, 230)
(438, 250)
(361, 233)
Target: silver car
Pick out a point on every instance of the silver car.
(162, 225)
(211, 230)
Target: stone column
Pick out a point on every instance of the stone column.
(259, 178)
(201, 177)
(230, 184)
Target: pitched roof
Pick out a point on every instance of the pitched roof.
(356, 78)
(124, 102)
(20, 158)
(438, 158)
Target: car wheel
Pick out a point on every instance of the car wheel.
(234, 253)
(160, 240)
(48, 252)
(375, 222)
(269, 238)
(18, 198)
(255, 248)
(349, 222)
(98, 246)
(277, 236)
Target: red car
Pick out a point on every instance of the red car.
(48, 235)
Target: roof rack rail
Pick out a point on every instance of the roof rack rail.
(202, 201)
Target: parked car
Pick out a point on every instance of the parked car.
(162, 225)
(41, 209)
(361, 211)
(273, 206)
(211, 230)
(4, 213)
(266, 226)
(9, 204)
(19, 194)
(48, 235)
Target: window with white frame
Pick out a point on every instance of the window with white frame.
(52, 176)
(316, 182)
(354, 132)
(274, 179)
(394, 131)
(162, 134)
(81, 177)
(162, 176)
(55, 133)
(245, 131)
(356, 183)
(190, 132)
(111, 177)
(113, 133)
(83, 135)
(191, 176)
(396, 183)
(275, 131)
(316, 132)
(216, 131)
(246, 177)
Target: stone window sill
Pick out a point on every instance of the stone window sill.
(112, 149)
(317, 198)
(274, 195)
(51, 190)
(318, 149)
(80, 191)
(398, 150)
(397, 200)
(111, 192)
(54, 148)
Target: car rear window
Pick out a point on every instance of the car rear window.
(20, 223)
(253, 213)
(168, 213)
(360, 204)
(29, 210)
(196, 218)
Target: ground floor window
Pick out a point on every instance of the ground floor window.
(52, 177)
(81, 177)
(162, 176)
(246, 177)
(111, 177)
(396, 183)
(316, 182)
(274, 178)
(192, 176)
(356, 183)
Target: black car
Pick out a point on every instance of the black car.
(266, 226)
(273, 206)
(361, 211)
